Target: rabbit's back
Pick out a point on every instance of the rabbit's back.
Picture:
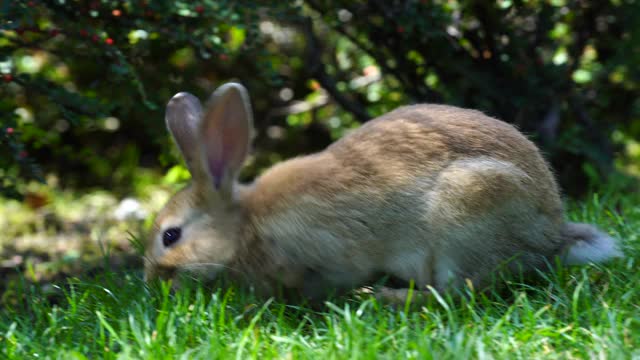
(421, 140)
(422, 193)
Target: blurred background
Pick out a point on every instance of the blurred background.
(85, 159)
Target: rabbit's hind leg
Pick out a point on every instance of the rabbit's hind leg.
(485, 213)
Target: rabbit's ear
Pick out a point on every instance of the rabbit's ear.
(226, 134)
(183, 117)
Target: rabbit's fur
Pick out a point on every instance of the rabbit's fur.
(433, 194)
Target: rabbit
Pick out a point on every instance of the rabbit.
(435, 195)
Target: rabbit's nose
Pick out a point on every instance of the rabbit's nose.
(149, 274)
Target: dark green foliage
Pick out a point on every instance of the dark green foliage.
(84, 83)
(15, 162)
(562, 71)
(89, 79)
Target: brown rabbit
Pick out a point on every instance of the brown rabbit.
(433, 194)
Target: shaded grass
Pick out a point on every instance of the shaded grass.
(579, 312)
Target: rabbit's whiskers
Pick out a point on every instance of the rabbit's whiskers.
(211, 265)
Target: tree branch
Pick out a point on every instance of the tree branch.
(318, 71)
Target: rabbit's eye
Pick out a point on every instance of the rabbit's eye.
(171, 236)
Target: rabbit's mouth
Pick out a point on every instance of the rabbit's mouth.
(204, 271)
(154, 271)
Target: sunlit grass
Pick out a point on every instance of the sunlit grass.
(580, 312)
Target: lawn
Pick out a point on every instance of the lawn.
(108, 312)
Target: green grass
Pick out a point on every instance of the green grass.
(580, 312)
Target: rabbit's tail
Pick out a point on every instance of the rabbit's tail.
(586, 244)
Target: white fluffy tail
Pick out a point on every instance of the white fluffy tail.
(587, 244)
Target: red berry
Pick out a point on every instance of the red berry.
(23, 154)
(95, 38)
(116, 12)
(109, 41)
(54, 32)
(7, 77)
(31, 3)
(83, 33)
(199, 9)
(223, 57)
(10, 130)
(400, 29)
